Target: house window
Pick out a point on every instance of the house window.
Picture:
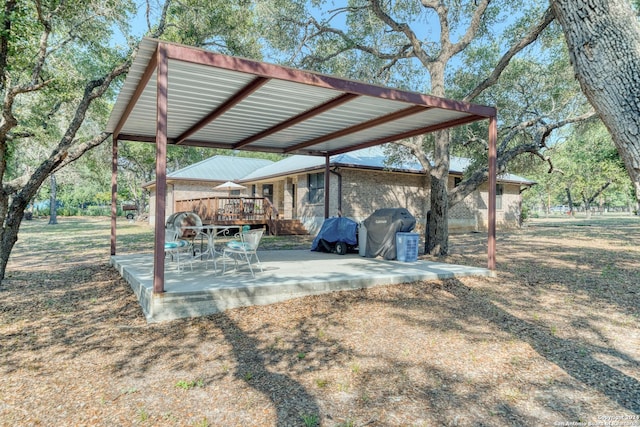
(267, 191)
(316, 187)
(499, 191)
(456, 181)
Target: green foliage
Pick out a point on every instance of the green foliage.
(188, 385)
(76, 52)
(588, 165)
(223, 26)
(310, 420)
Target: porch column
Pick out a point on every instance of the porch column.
(288, 199)
(493, 155)
(114, 191)
(326, 186)
(161, 169)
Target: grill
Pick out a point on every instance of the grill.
(382, 227)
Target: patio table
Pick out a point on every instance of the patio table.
(211, 232)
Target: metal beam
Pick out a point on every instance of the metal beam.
(242, 94)
(146, 76)
(212, 59)
(335, 102)
(360, 127)
(408, 134)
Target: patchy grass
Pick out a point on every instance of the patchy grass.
(554, 338)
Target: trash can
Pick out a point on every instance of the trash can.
(362, 239)
(407, 246)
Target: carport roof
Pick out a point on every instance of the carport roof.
(219, 101)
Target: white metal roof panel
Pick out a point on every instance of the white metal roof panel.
(273, 108)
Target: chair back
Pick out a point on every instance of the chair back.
(171, 234)
(252, 238)
(185, 219)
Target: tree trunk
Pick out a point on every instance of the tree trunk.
(604, 47)
(53, 208)
(569, 200)
(587, 205)
(9, 231)
(8, 239)
(438, 242)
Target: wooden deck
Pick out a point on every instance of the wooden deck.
(253, 211)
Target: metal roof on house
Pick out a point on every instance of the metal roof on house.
(220, 168)
(218, 101)
(370, 158)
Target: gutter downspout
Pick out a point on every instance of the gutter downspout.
(326, 185)
(339, 190)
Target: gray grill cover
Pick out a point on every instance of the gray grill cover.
(382, 227)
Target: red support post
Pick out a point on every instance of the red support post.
(161, 168)
(114, 192)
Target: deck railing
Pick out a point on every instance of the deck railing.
(231, 209)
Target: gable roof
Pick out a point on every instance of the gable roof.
(220, 168)
(366, 158)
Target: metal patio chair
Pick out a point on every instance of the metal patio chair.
(243, 250)
(178, 249)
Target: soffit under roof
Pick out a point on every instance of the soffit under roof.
(219, 101)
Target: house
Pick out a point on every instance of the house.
(360, 183)
(199, 179)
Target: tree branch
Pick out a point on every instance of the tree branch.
(526, 40)
(415, 42)
(471, 32)
(505, 155)
(81, 149)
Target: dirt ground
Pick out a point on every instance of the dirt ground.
(553, 340)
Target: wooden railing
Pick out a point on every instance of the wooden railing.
(271, 216)
(232, 209)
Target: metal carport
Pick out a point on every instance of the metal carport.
(176, 94)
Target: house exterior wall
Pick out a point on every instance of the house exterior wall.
(365, 191)
(168, 206)
(312, 214)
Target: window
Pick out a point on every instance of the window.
(267, 191)
(499, 191)
(456, 181)
(316, 187)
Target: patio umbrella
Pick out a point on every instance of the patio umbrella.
(229, 185)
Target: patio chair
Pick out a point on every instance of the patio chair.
(179, 250)
(243, 250)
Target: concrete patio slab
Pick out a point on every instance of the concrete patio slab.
(287, 274)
